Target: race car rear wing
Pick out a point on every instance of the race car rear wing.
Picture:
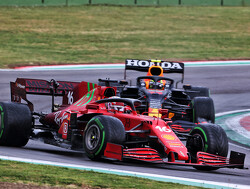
(22, 86)
(144, 65)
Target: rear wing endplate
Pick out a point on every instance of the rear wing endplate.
(22, 86)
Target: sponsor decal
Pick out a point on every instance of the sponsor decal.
(42, 86)
(147, 64)
(59, 118)
(153, 91)
(46, 84)
(65, 128)
(182, 153)
(163, 129)
(169, 137)
(38, 83)
(70, 97)
(37, 90)
(20, 86)
(153, 110)
(175, 144)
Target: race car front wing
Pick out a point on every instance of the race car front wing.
(114, 151)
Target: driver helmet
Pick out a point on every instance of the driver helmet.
(117, 106)
(153, 71)
(160, 85)
(151, 84)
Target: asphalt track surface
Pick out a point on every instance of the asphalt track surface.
(230, 89)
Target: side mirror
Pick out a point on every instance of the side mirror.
(187, 87)
(123, 82)
(137, 103)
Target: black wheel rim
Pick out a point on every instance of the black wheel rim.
(92, 137)
(199, 142)
(196, 144)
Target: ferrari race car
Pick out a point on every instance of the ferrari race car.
(92, 118)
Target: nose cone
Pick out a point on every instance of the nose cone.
(182, 156)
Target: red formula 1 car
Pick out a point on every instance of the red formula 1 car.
(93, 119)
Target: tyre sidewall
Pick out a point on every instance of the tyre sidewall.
(16, 124)
(214, 137)
(203, 110)
(111, 130)
(98, 150)
(4, 129)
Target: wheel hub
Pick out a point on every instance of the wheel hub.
(92, 137)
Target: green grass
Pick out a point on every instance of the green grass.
(85, 34)
(16, 172)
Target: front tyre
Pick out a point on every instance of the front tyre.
(210, 138)
(100, 130)
(15, 124)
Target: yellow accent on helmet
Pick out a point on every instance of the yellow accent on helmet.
(156, 61)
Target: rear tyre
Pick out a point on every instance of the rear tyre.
(208, 138)
(203, 110)
(15, 124)
(202, 91)
(100, 130)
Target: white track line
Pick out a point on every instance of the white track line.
(231, 112)
(234, 112)
(122, 65)
(163, 178)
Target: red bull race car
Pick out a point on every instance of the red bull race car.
(185, 106)
(92, 118)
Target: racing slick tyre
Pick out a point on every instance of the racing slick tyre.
(210, 138)
(100, 130)
(203, 110)
(15, 124)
